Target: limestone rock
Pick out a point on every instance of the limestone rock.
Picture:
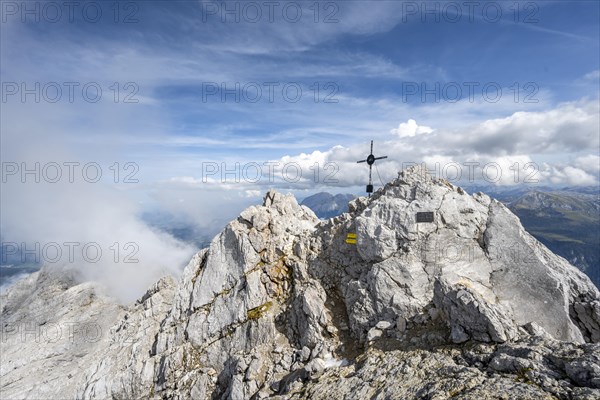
(373, 334)
(524, 370)
(51, 328)
(280, 306)
(471, 317)
(383, 325)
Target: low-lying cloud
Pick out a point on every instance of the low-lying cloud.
(92, 229)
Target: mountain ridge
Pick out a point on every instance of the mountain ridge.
(281, 306)
(566, 220)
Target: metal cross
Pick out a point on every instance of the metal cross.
(370, 160)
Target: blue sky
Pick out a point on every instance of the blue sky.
(369, 57)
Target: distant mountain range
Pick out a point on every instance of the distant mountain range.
(184, 230)
(325, 205)
(566, 220)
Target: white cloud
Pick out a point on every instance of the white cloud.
(567, 175)
(509, 145)
(589, 163)
(576, 176)
(410, 128)
(111, 244)
(253, 193)
(209, 206)
(569, 127)
(510, 170)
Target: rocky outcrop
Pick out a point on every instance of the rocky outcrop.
(52, 329)
(124, 367)
(471, 317)
(281, 305)
(492, 276)
(532, 368)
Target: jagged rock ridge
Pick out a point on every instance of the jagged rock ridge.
(280, 305)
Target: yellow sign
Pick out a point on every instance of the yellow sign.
(351, 238)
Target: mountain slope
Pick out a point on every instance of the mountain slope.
(567, 222)
(280, 305)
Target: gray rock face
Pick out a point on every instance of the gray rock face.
(280, 305)
(125, 366)
(471, 317)
(531, 368)
(52, 329)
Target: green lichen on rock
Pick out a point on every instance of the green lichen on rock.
(257, 312)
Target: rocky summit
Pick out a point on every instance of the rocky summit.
(369, 304)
